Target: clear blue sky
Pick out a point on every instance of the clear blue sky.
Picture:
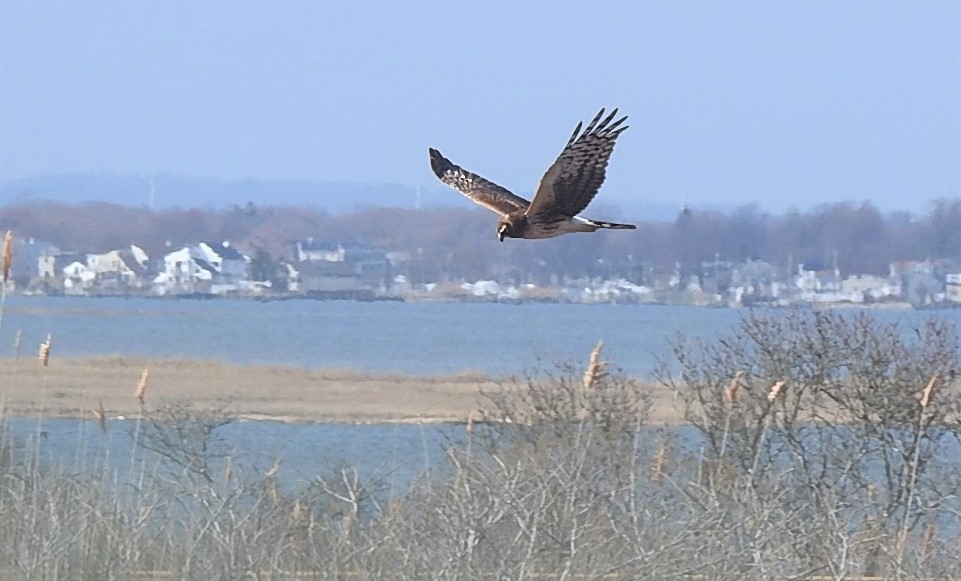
(783, 103)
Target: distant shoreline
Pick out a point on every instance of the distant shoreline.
(365, 298)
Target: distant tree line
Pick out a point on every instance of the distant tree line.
(460, 243)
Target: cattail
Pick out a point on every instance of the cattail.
(928, 538)
(730, 394)
(101, 416)
(273, 469)
(43, 355)
(775, 390)
(596, 369)
(272, 490)
(394, 507)
(297, 513)
(141, 391)
(7, 255)
(926, 394)
(660, 458)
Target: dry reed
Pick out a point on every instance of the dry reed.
(596, 368)
(730, 398)
(915, 463)
(7, 262)
(272, 489)
(273, 470)
(140, 391)
(43, 354)
(7, 255)
(775, 391)
(297, 512)
(926, 394)
(730, 394)
(16, 345)
(101, 416)
(469, 428)
(928, 539)
(657, 466)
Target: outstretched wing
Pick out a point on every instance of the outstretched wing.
(484, 192)
(572, 181)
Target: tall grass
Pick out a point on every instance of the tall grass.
(848, 470)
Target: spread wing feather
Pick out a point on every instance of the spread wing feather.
(574, 178)
(480, 190)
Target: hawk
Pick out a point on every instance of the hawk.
(566, 189)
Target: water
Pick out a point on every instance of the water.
(418, 338)
(394, 454)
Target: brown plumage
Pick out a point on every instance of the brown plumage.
(567, 187)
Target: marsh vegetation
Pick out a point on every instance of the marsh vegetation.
(825, 446)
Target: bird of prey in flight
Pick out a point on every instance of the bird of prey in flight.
(565, 190)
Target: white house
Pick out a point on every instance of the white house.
(77, 277)
(952, 289)
(182, 274)
(310, 250)
(229, 266)
(205, 267)
(123, 268)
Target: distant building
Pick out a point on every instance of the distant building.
(328, 266)
(327, 276)
(118, 270)
(310, 250)
(202, 268)
(920, 284)
(27, 254)
(952, 287)
(229, 267)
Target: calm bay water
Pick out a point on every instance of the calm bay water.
(420, 338)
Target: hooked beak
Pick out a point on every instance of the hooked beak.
(500, 233)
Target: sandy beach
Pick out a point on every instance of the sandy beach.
(71, 387)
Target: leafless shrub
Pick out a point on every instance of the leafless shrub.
(856, 410)
(185, 437)
(562, 396)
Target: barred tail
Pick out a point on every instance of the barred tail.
(612, 225)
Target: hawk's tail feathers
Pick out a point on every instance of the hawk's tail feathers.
(612, 225)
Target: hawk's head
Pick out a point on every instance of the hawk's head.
(512, 226)
(504, 228)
